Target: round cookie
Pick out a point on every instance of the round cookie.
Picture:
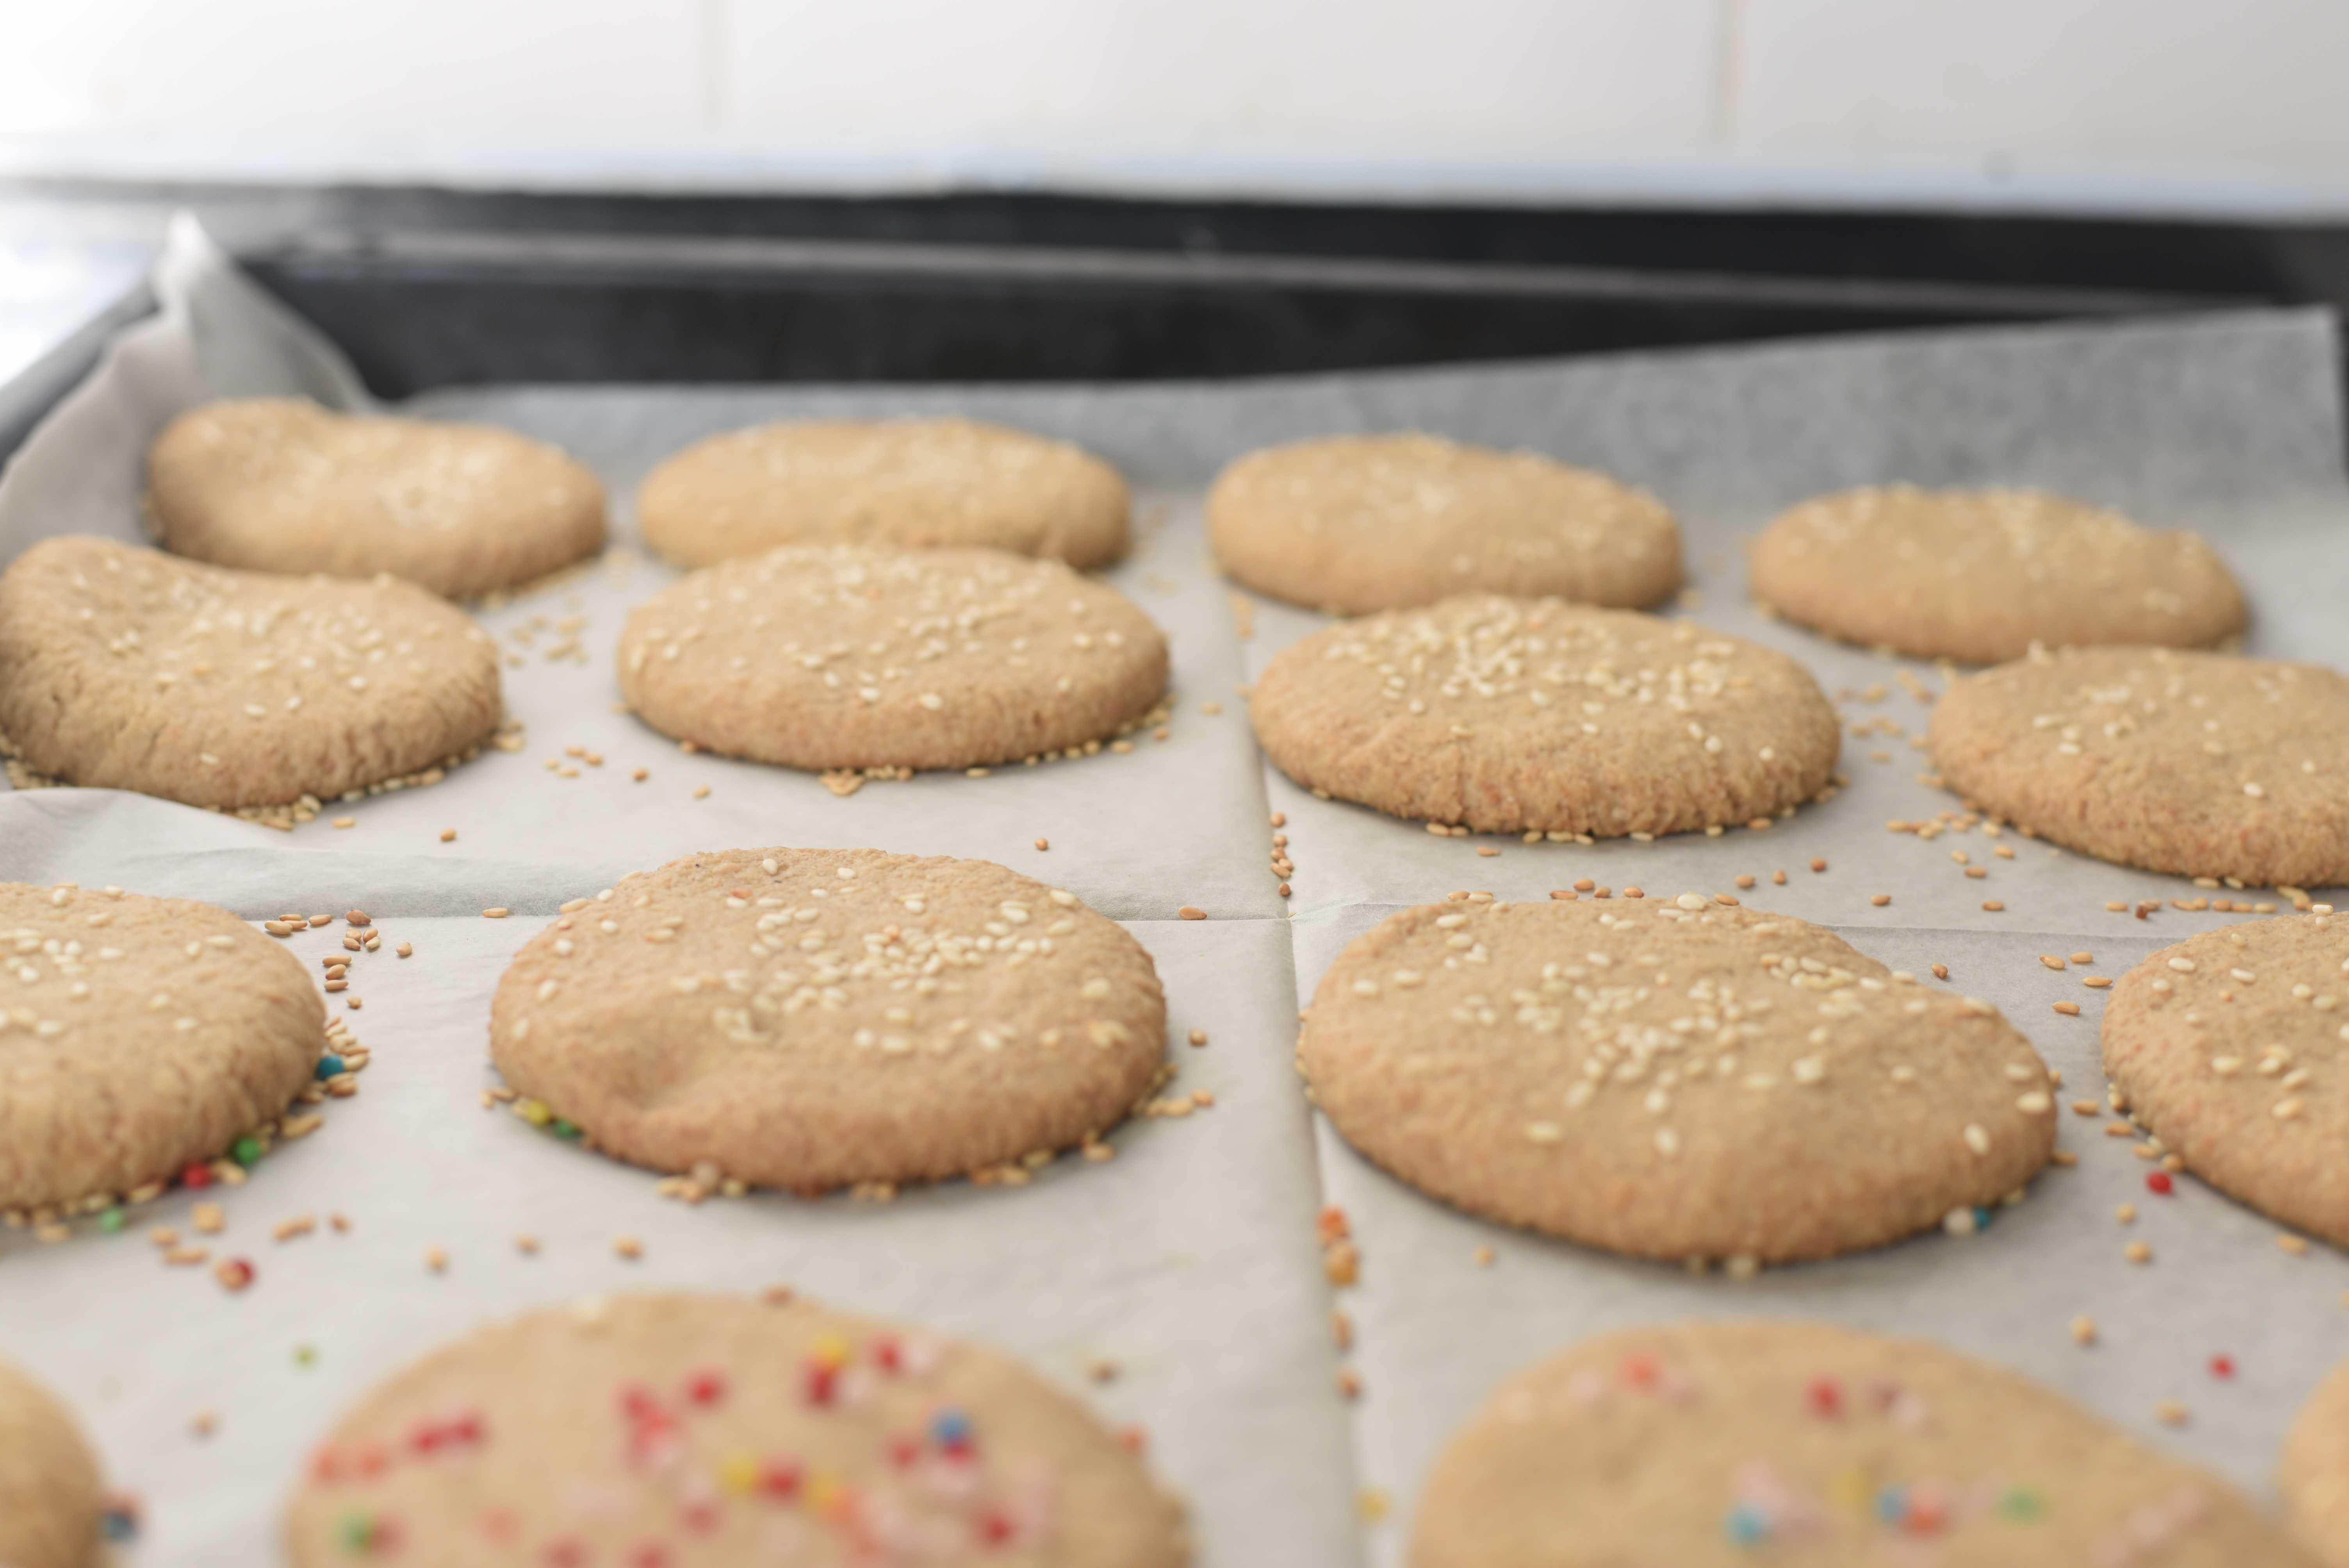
(1705, 1444)
(2201, 763)
(1357, 523)
(2314, 1475)
(2232, 1048)
(1671, 1078)
(818, 1019)
(138, 1036)
(51, 1498)
(1514, 714)
(694, 1429)
(275, 484)
(845, 659)
(123, 668)
(1980, 575)
(914, 484)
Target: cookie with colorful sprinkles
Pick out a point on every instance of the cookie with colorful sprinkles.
(914, 484)
(1510, 714)
(846, 658)
(52, 1503)
(276, 484)
(1728, 1443)
(137, 1036)
(2232, 1048)
(700, 1432)
(1359, 523)
(2197, 764)
(1672, 1079)
(1979, 576)
(812, 1019)
(123, 668)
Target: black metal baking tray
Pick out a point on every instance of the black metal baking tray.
(432, 288)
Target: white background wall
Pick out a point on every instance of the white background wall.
(2116, 102)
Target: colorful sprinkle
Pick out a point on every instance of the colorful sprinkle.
(329, 1066)
(2021, 1503)
(1824, 1396)
(2222, 1367)
(1746, 1525)
(2158, 1181)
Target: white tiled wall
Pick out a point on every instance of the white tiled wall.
(1483, 94)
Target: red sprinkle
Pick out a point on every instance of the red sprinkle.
(780, 1478)
(1826, 1396)
(1638, 1370)
(565, 1554)
(1332, 1225)
(2222, 1367)
(995, 1527)
(904, 1452)
(706, 1386)
(821, 1383)
(197, 1175)
(886, 1355)
(2158, 1181)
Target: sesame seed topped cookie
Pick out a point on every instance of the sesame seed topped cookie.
(849, 658)
(819, 1018)
(1514, 714)
(1700, 1444)
(138, 1036)
(275, 484)
(2201, 763)
(915, 484)
(2314, 1474)
(2232, 1048)
(1980, 575)
(123, 668)
(51, 1500)
(1672, 1079)
(695, 1431)
(1357, 523)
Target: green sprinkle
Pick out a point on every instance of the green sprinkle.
(355, 1530)
(2021, 1502)
(246, 1150)
(564, 1129)
(305, 1354)
(110, 1221)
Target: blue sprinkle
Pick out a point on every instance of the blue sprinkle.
(1747, 1526)
(1982, 1218)
(329, 1066)
(1892, 1505)
(118, 1524)
(950, 1427)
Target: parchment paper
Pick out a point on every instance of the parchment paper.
(1190, 1260)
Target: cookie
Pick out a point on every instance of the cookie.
(913, 484)
(1672, 1078)
(2232, 1048)
(274, 484)
(1507, 715)
(1730, 1443)
(2201, 763)
(848, 658)
(1979, 576)
(51, 1500)
(702, 1430)
(1357, 523)
(2314, 1475)
(127, 669)
(138, 1036)
(819, 1018)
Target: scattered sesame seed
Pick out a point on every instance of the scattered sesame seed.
(2138, 1253)
(346, 821)
(1940, 971)
(1043, 843)
(447, 835)
(2295, 1245)
(1198, 1037)
(1879, 900)
(436, 1259)
(1191, 911)
(2069, 1009)
(1992, 906)
(2170, 1413)
(2083, 1330)
(628, 1247)
(404, 950)
(496, 914)
(702, 792)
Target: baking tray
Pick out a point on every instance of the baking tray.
(1190, 1262)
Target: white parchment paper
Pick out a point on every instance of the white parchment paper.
(1189, 1261)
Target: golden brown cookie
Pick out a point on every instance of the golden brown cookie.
(51, 1500)
(685, 1430)
(128, 669)
(817, 1018)
(275, 484)
(1980, 575)
(851, 658)
(1357, 523)
(914, 484)
(137, 1036)
(1515, 714)
(2201, 764)
(1672, 1078)
(2232, 1048)
(2315, 1472)
(1734, 1443)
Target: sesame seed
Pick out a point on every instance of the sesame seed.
(1191, 911)
(1043, 843)
(2138, 1253)
(2083, 1330)
(496, 914)
(1992, 905)
(1879, 900)
(1977, 1138)
(628, 1247)
(2069, 1009)
(346, 821)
